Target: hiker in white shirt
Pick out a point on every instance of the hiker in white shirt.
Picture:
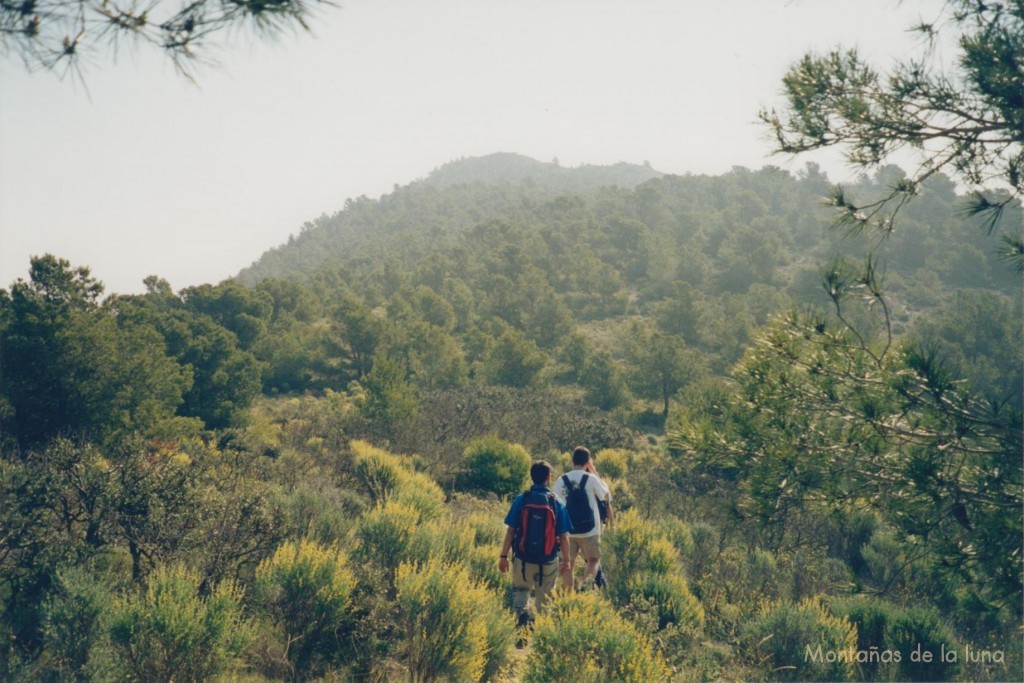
(585, 538)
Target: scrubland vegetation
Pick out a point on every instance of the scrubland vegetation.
(302, 473)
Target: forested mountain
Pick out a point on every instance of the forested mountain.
(731, 249)
(812, 438)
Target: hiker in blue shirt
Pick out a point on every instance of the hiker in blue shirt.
(537, 533)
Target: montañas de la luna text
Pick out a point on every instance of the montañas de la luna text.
(873, 655)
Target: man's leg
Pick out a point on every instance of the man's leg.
(590, 547)
(522, 582)
(574, 550)
(547, 579)
(524, 578)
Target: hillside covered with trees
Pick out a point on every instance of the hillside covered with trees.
(813, 439)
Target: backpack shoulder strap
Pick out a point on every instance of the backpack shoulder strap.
(583, 481)
(567, 482)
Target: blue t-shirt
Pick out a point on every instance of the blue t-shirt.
(562, 523)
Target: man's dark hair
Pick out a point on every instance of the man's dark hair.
(580, 456)
(540, 471)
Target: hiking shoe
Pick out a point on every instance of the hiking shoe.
(600, 580)
(524, 625)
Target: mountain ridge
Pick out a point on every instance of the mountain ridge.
(506, 184)
(503, 167)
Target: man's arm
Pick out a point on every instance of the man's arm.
(506, 546)
(603, 492)
(563, 551)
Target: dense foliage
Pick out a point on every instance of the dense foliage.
(303, 472)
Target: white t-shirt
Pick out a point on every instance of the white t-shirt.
(597, 489)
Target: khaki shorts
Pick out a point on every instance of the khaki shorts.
(588, 546)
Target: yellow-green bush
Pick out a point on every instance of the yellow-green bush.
(611, 462)
(783, 639)
(385, 533)
(440, 538)
(448, 624)
(305, 589)
(636, 546)
(560, 462)
(736, 584)
(490, 464)
(623, 498)
(483, 564)
(380, 472)
(678, 533)
(671, 595)
(582, 638)
(169, 632)
(386, 478)
(501, 632)
(486, 528)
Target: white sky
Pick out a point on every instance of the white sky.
(147, 173)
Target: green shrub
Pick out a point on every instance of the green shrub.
(486, 529)
(848, 531)
(761, 578)
(623, 498)
(743, 578)
(491, 465)
(890, 627)
(701, 560)
(611, 463)
(440, 538)
(380, 472)
(322, 512)
(886, 562)
(870, 617)
(501, 632)
(786, 639)
(582, 638)
(907, 629)
(171, 633)
(677, 532)
(387, 478)
(443, 615)
(560, 462)
(75, 621)
(385, 534)
(812, 574)
(305, 589)
(423, 494)
(636, 546)
(483, 564)
(671, 595)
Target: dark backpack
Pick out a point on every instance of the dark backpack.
(535, 538)
(577, 502)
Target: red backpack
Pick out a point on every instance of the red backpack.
(535, 538)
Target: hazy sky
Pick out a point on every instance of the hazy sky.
(145, 173)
